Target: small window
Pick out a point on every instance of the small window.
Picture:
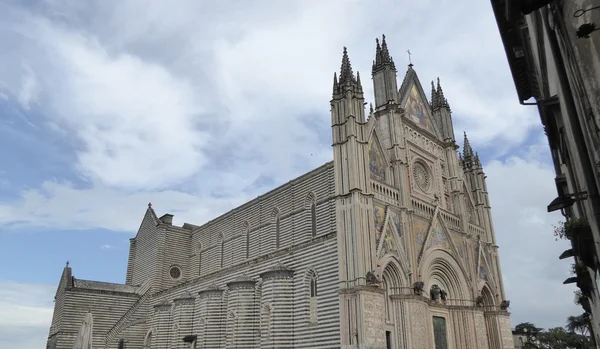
(313, 217)
(122, 344)
(247, 243)
(199, 259)
(222, 253)
(175, 272)
(313, 300)
(277, 232)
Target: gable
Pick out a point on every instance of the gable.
(483, 267)
(439, 238)
(415, 105)
(391, 234)
(377, 160)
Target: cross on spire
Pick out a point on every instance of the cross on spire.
(67, 264)
(409, 58)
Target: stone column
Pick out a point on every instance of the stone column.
(211, 318)
(363, 308)
(162, 319)
(184, 312)
(464, 329)
(276, 313)
(242, 321)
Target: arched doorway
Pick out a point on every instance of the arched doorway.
(394, 284)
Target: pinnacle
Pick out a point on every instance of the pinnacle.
(346, 74)
(335, 83)
(434, 97)
(382, 55)
(346, 80)
(467, 150)
(442, 100)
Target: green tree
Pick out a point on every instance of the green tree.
(555, 338)
(579, 324)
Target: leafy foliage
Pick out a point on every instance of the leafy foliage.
(574, 336)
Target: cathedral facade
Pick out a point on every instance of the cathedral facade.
(390, 245)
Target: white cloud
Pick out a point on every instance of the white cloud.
(29, 88)
(59, 205)
(107, 247)
(26, 313)
(520, 189)
(179, 104)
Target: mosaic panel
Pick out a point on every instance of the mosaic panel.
(376, 162)
(395, 220)
(460, 248)
(439, 239)
(379, 213)
(420, 229)
(483, 273)
(415, 109)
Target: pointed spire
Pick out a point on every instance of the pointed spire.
(382, 56)
(385, 54)
(378, 57)
(477, 162)
(335, 83)
(358, 81)
(434, 97)
(346, 74)
(443, 102)
(467, 150)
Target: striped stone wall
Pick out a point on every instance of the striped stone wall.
(227, 313)
(277, 220)
(106, 306)
(143, 264)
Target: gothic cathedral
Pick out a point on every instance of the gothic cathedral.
(389, 246)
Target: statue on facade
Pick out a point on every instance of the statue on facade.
(435, 292)
(84, 336)
(418, 287)
(504, 304)
(372, 279)
(443, 295)
(479, 301)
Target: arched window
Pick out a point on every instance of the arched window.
(313, 218)
(222, 241)
(199, 259)
(122, 344)
(277, 231)
(247, 231)
(313, 299)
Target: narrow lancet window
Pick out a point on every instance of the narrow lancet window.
(247, 243)
(222, 253)
(122, 344)
(277, 232)
(313, 300)
(313, 218)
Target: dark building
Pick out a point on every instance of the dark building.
(553, 50)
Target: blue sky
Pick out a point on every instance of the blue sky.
(199, 106)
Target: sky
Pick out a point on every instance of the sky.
(199, 106)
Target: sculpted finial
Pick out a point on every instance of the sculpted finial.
(67, 264)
